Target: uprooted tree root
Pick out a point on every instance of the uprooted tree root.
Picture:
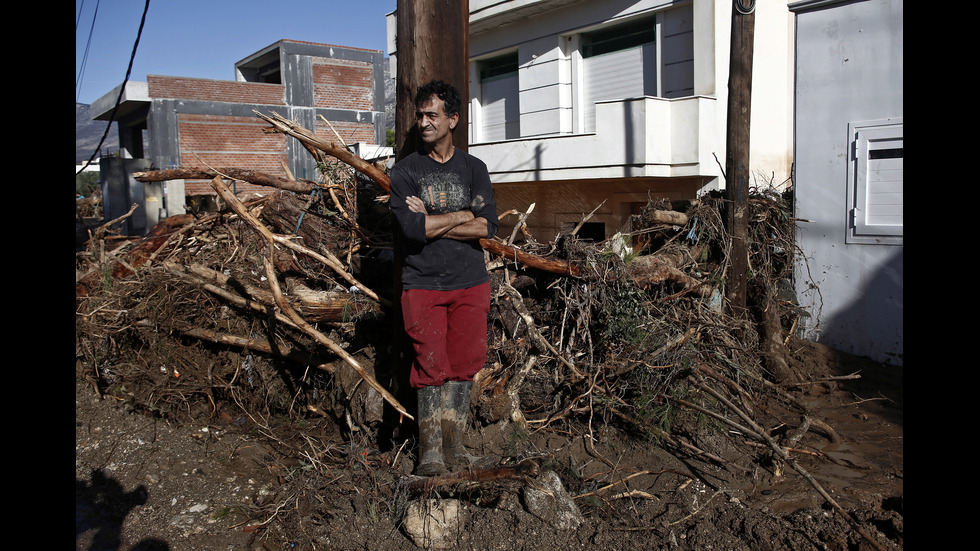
(631, 334)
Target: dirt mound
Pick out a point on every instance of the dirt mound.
(143, 482)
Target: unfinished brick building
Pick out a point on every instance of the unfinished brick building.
(192, 122)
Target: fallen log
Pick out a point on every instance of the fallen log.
(524, 469)
(651, 270)
(236, 299)
(333, 306)
(257, 344)
(250, 176)
(509, 252)
(669, 217)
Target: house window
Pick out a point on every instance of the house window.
(500, 107)
(619, 38)
(617, 63)
(875, 182)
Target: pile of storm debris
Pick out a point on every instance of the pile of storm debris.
(279, 308)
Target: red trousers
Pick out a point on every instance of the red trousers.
(448, 331)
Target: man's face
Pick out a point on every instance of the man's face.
(434, 126)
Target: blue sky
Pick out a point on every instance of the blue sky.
(204, 38)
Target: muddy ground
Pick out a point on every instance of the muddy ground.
(234, 482)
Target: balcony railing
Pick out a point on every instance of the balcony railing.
(641, 137)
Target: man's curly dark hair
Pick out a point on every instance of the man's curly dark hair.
(442, 90)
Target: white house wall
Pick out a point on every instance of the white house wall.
(849, 69)
(547, 52)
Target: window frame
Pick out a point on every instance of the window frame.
(866, 138)
(498, 67)
(614, 48)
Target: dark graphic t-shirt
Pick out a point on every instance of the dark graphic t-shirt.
(460, 183)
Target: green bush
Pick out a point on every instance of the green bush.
(86, 183)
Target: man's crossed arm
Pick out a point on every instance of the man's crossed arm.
(461, 225)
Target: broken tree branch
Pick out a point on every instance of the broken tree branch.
(524, 469)
(234, 298)
(559, 267)
(260, 345)
(250, 176)
(326, 257)
(653, 269)
(290, 128)
(537, 338)
(141, 253)
(784, 455)
(271, 276)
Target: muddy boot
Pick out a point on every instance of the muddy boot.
(456, 409)
(431, 461)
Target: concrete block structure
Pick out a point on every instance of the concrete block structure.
(192, 122)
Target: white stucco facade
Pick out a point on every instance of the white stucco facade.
(675, 126)
(849, 184)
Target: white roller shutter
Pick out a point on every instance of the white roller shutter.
(614, 76)
(500, 107)
(876, 193)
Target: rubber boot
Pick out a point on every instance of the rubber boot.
(431, 460)
(456, 409)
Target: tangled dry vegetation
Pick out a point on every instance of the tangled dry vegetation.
(275, 310)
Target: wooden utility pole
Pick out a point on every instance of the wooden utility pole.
(432, 43)
(737, 161)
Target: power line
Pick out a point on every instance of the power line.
(122, 90)
(78, 16)
(88, 43)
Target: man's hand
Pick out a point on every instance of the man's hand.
(415, 204)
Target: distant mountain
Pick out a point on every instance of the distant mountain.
(88, 133)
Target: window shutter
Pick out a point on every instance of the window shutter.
(501, 108)
(614, 76)
(876, 182)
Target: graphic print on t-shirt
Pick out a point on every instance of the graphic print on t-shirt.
(443, 192)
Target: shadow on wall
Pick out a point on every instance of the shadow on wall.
(873, 325)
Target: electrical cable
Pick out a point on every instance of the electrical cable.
(78, 16)
(88, 43)
(122, 90)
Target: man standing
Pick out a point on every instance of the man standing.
(443, 202)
